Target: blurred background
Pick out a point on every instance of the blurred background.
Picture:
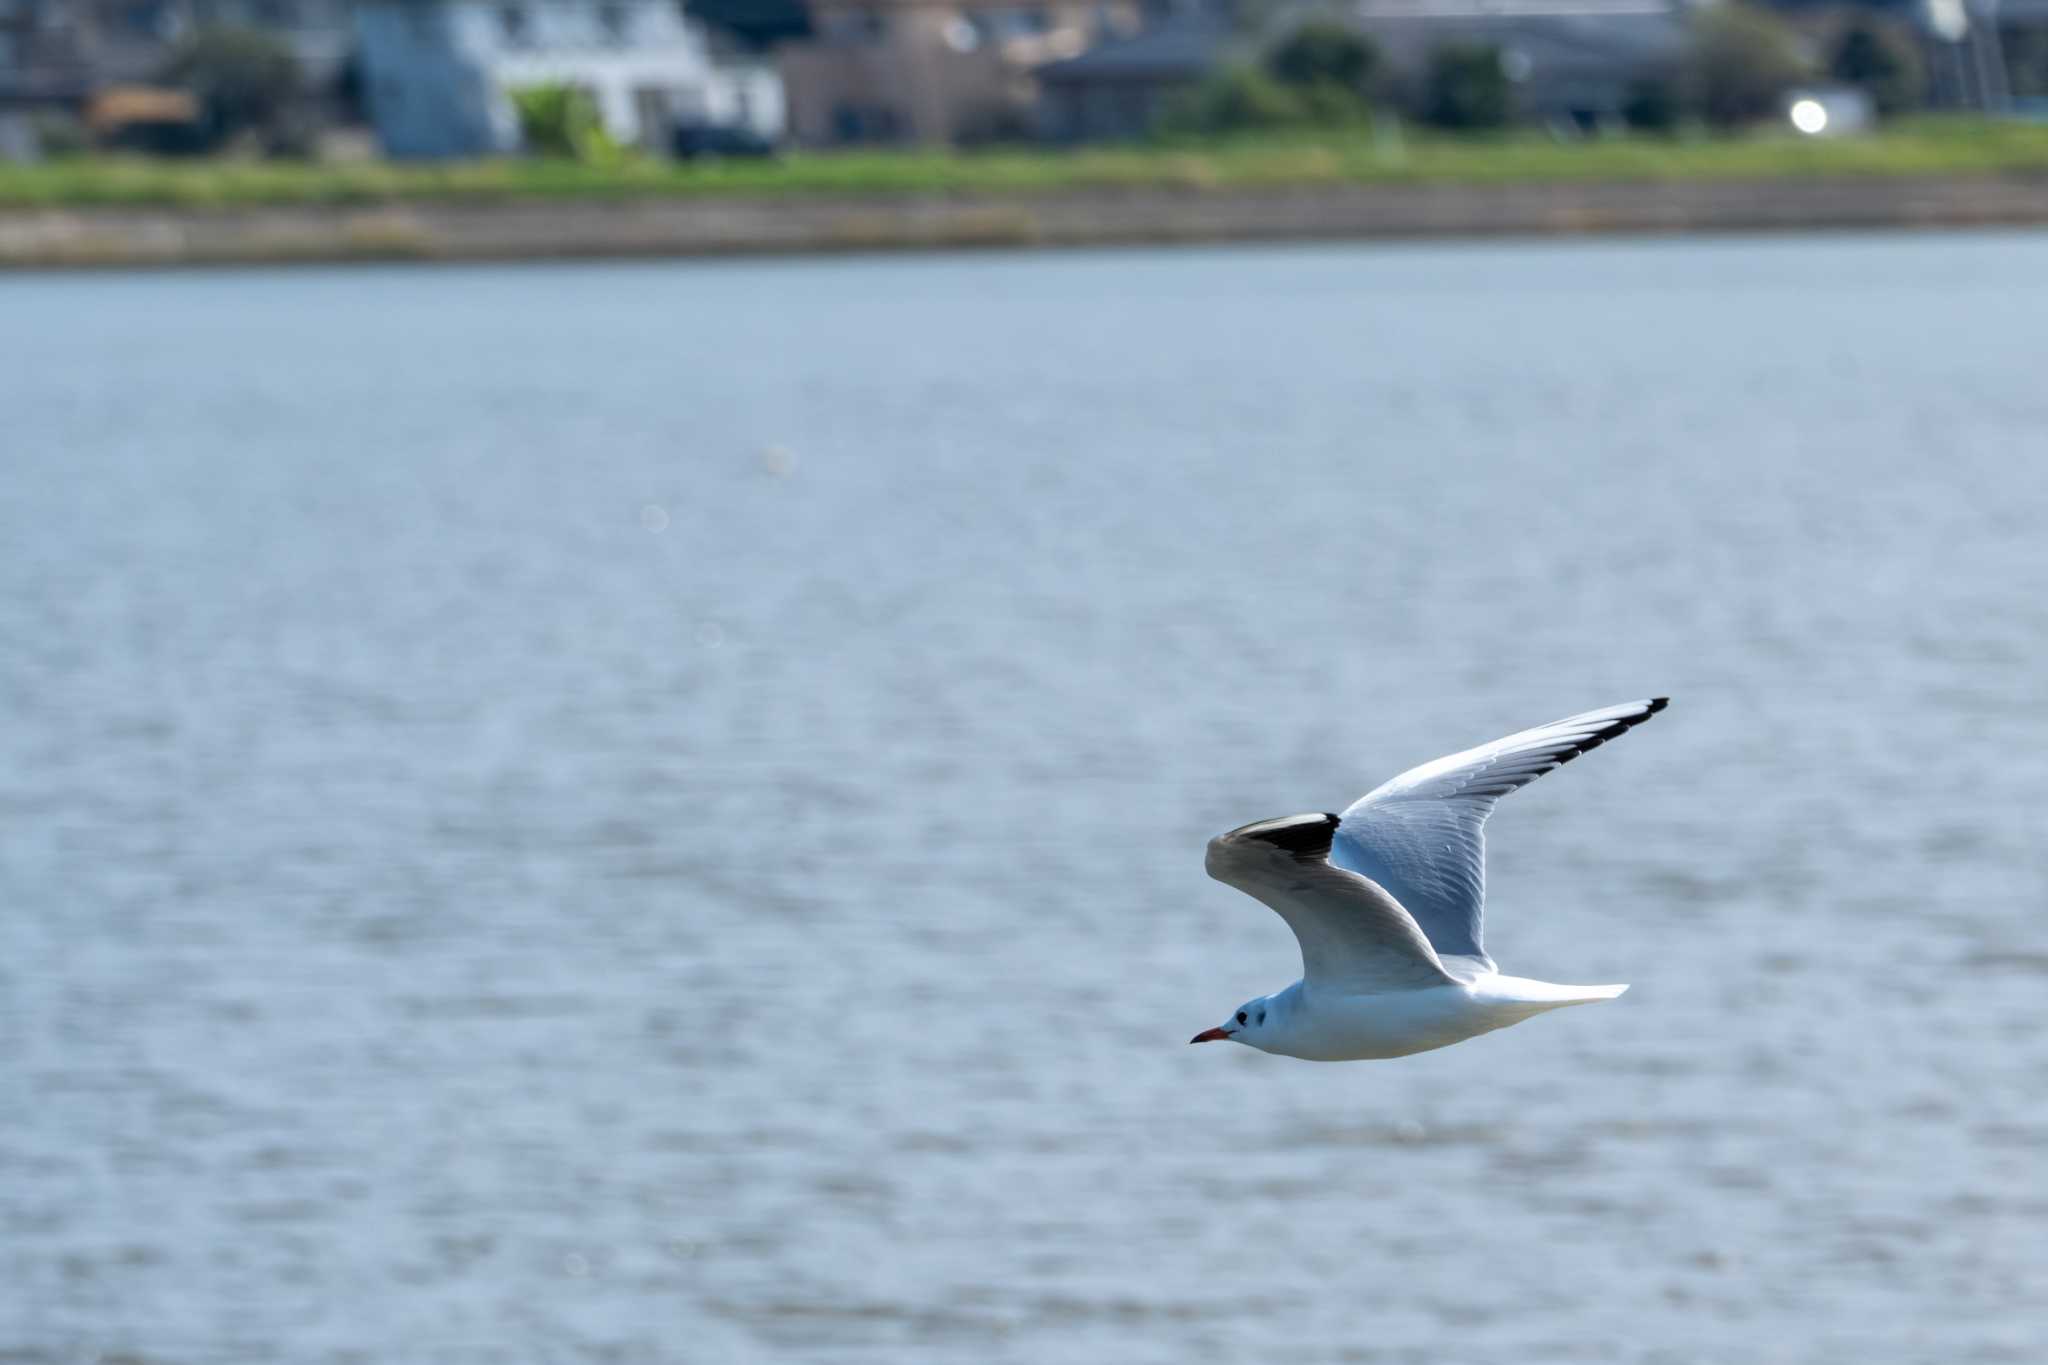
(605, 80)
(250, 131)
(653, 810)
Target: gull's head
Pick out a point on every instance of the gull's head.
(1244, 1026)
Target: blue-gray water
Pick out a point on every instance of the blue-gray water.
(655, 814)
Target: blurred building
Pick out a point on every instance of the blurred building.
(1122, 88)
(81, 45)
(1964, 44)
(37, 73)
(438, 75)
(2022, 35)
(56, 55)
(935, 71)
(1575, 62)
(1567, 61)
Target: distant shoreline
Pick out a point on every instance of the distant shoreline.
(737, 225)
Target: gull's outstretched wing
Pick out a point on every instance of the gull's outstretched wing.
(1422, 836)
(1353, 934)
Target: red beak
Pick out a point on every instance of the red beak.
(1210, 1035)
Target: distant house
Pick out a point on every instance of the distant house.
(1122, 89)
(1567, 61)
(1988, 55)
(55, 55)
(934, 71)
(2016, 32)
(438, 75)
(106, 42)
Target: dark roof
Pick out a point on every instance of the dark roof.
(1179, 49)
(758, 22)
(1550, 41)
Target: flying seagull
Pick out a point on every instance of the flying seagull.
(1386, 898)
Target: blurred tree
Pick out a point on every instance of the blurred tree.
(1740, 63)
(1883, 62)
(2026, 61)
(294, 136)
(1467, 87)
(246, 80)
(1654, 103)
(557, 119)
(348, 89)
(1240, 99)
(1325, 53)
(60, 135)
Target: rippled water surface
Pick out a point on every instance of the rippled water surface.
(655, 813)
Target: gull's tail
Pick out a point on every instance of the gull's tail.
(1523, 997)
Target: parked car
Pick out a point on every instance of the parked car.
(693, 140)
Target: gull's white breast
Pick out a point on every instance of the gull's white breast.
(1335, 1026)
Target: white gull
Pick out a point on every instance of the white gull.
(1386, 900)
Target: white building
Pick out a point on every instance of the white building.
(438, 74)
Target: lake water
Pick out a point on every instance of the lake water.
(655, 813)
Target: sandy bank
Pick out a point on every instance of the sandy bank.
(705, 226)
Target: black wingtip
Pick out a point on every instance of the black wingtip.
(1301, 835)
(1614, 729)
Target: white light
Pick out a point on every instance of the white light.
(1949, 20)
(1809, 116)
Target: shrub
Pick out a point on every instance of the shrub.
(294, 137)
(1467, 87)
(350, 97)
(560, 120)
(1238, 100)
(1324, 53)
(2026, 61)
(59, 136)
(1740, 63)
(1881, 61)
(1654, 104)
(244, 79)
(1332, 105)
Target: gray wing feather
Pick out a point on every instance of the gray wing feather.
(1353, 935)
(1422, 836)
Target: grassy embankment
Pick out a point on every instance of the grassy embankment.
(1925, 147)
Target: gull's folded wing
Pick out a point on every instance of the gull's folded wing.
(1422, 836)
(1353, 935)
